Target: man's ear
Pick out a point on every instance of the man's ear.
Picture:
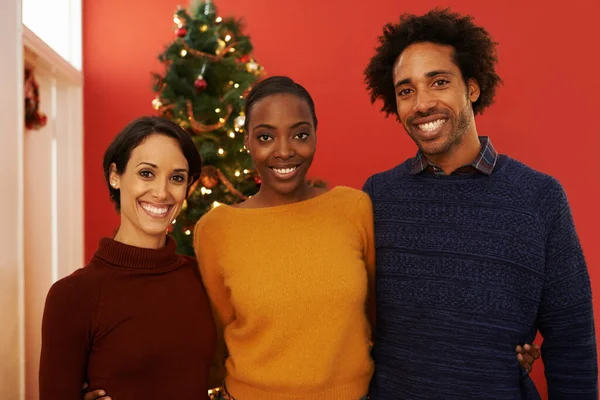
(474, 90)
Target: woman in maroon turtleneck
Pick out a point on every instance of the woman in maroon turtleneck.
(135, 321)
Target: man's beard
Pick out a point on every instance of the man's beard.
(454, 137)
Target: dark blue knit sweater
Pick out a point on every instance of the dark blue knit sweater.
(469, 266)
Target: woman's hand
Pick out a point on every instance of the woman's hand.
(526, 355)
(95, 394)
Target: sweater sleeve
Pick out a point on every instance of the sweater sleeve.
(366, 219)
(217, 293)
(66, 333)
(566, 318)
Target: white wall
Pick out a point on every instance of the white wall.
(11, 203)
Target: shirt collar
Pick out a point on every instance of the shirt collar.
(484, 162)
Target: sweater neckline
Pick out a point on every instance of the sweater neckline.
(122, 255)
(312, 202)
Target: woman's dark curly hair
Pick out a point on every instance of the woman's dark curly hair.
(474, 54)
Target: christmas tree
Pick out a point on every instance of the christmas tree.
(208, 71)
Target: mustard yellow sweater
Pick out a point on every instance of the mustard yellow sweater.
(289, 285)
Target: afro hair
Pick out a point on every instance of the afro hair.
(474, 54)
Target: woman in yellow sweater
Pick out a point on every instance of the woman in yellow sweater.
(290, 272)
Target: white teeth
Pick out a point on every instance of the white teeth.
(155, 210)
(432, 126)
(284, 171)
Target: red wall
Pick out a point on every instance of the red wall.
(545, 115)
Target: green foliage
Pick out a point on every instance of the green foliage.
(215, 50)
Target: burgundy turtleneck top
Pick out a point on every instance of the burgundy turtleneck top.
(135, 322)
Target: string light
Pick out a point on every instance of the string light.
(203, 28)
(177, 20)
(232, 134)
(232, 50)
(230, 83)
(205, 191)
(183, 53)
(218, 20)
(246, 171)
(174, 221)
(221, 151)
(217, 110)
(227, 38)
(221, 120)
(237, 85)
(188, 232)
(216, 204)
(237, 173)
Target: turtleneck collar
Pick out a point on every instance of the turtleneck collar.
(122, 255)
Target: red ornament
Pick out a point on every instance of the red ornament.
(181, 32)
(200, 83)
(34, 119)
(245, 58)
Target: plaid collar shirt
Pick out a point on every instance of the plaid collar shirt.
(484, 162)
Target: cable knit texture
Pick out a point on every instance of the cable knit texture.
(469, 266)
(135, 322)
(289, 285)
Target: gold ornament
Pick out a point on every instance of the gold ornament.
(239, 121)
(252, 67)
(209, 177)
(203, 28)
(177, 21)
(220, 46)
(156, 103)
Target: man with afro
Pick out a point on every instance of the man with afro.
(476, 252)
